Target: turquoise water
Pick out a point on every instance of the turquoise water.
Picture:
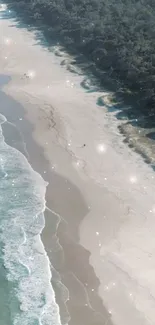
(26, 294)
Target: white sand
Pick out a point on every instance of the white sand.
(118, 186)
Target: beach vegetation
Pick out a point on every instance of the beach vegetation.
(117, 36)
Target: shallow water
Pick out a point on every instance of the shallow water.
(26, 294)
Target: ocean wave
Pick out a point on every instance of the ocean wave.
(22, 205)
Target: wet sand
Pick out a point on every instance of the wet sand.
(72, 275)
(103, 191)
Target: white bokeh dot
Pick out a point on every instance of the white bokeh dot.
(78, 164)
(101, 148)
(7, 41)
(31, 74)
(133, 179)
(106, 288)
(3, 7)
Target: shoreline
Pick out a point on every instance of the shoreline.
(117, 187)
(60, 270)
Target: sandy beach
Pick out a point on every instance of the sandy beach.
(66, 255)
(99, 232)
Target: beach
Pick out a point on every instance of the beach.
(99, 215)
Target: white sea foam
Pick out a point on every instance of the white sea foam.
(22, 203)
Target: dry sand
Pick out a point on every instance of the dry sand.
(104, 191)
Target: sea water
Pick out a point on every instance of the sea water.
(26, 293)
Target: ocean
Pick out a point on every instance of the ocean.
(26, 293)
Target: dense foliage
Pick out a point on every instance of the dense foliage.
(119, 36)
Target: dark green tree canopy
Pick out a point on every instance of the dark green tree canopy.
(118, 36)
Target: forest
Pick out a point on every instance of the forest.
(118, 37)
